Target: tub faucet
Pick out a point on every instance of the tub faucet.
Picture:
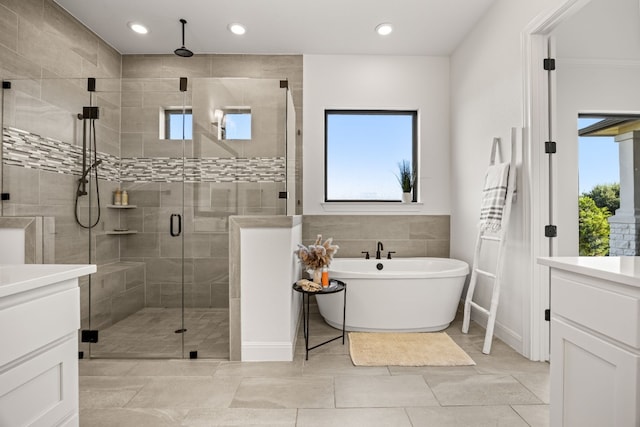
(378, 249)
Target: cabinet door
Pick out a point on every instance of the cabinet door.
(593, 382)
(42, 389)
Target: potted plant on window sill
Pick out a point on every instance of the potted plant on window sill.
(406, 178)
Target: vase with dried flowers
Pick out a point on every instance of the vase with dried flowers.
(316, 256)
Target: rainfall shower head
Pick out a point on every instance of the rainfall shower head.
(183, 51)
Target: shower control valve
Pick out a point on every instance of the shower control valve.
(91, 112)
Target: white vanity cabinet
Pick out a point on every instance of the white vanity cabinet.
(595, 341)
(39, 322)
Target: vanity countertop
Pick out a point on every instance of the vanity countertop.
(622, 269)
(25, 277)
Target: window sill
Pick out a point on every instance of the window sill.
(371, 207)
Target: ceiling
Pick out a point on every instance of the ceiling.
(421, 27)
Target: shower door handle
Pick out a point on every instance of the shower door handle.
(172, 222)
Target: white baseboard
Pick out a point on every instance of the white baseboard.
(267, 351)
(508, 336)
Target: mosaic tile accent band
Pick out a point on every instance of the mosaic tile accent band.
(209, 169)
(28, 150)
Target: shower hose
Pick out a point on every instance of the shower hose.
(87, 174)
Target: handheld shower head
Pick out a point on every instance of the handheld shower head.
(183, 51)
(93, 166)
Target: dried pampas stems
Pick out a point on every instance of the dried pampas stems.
(317, 255)
(308, 285)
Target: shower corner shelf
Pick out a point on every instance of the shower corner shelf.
(121, 206)
(114, 232)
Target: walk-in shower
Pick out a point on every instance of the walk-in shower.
(157, 292)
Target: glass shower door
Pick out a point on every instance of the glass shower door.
(139, 247)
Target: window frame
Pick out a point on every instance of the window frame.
(414, 149)
(168, 112)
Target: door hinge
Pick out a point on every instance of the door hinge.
(550, 231)
(5, 196)
(550, 147)
(6, 85)
(89, 336)
(284, 84)
(547, 315)
(549, 64)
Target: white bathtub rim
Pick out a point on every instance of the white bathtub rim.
(452, 268)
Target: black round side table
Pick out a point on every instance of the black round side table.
(334, 287)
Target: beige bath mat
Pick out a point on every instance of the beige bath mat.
(406, 349)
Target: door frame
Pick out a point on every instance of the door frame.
(537, 42)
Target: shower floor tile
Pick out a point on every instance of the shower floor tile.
(151, 333)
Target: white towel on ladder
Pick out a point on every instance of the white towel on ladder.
(494, 196)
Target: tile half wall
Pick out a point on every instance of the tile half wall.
(406, 235)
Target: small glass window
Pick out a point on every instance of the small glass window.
(363, 151)
(178, 124)
(238, 126)
(233, 123)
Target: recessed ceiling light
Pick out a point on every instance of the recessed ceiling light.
(384, 29)
(237, 29)
(137, 27)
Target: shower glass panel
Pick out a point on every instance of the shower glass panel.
(43, 159)
(61, 155)
(224, 177)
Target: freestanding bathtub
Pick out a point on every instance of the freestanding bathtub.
(397, 295)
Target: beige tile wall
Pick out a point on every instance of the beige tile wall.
(48, 55)
(282, 67)
(39, 39)
(407, 235)
(149, 83)
(118, 290)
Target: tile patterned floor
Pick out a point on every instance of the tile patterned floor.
(150, 333)
(503, 389)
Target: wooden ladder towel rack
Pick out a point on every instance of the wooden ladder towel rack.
(487, 237)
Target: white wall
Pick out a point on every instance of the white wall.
(598, 51)
(12, 245)
(379, 82)
(487, 98)
(269, 307)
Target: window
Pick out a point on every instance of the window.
(233, 123)
(175, 121)
(363, 149)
